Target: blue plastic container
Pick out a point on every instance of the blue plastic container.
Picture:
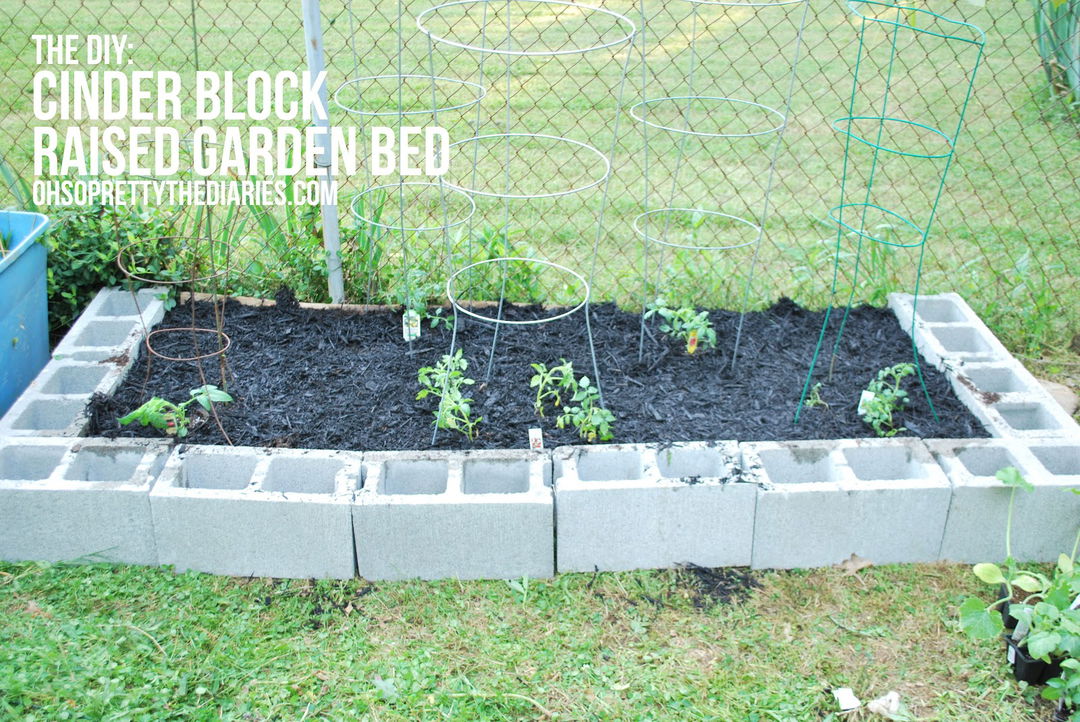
(24, 318)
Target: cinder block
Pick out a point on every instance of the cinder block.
(818, 502)
(78, 499)
(1045, 519)
(256, 512)
(647, 506)
(112, 326)
(464, 515)
(997, 389)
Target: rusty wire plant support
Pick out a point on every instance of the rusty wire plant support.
(738, 231)
(194, 249)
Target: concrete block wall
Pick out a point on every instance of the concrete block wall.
(78, 499)
(257, 512)
(641, 506)
(92, 358)
(1000, 392)
(470, 515)
(818, 502)
(1045, 520)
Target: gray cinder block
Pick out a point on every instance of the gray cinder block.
(821, 501)
(78, 499)
(256, 512)
(1045, 519)
(647, 506)
(464, 515)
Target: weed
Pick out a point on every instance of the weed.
(814, 399)
(447, 380)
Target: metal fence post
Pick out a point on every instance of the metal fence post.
(313, 43)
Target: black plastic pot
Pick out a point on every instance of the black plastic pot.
(1028, 669)
(1010, 622)
(1062, 713)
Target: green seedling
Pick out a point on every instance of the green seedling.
(814, 399)
(553, 383)
(686, 324)
(447, 381)
(592, 421)
(170, 418)
(884, 397)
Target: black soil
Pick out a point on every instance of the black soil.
(342, 380)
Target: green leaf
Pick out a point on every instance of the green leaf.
(1065, 564)
(1026, 582)
(989, 573)
(1011, 476)
(978, 621)
(1041, 644)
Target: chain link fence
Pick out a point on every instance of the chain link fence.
(1005, 236)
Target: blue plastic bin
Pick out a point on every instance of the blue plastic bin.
(24, 318)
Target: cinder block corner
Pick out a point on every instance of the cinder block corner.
(78, 500)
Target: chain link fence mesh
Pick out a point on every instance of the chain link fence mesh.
(1005, 235)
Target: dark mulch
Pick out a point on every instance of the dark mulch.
(341, 380)
(720, 585)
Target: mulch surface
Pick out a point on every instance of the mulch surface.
(332, 379)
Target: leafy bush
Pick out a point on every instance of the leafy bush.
(84, 243)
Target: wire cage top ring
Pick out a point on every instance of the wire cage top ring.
(478, 92)
(444, 187)
(663, 241)
(625, 25)
(127, 267)
(765, 111)
(457, 302)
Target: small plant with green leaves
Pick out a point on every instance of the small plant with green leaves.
(814, 399)
(447, 381)
(172, 419)
(555, 383)
(884, 397)
(592, 421)
(685, 323)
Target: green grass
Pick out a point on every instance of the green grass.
(114, 642)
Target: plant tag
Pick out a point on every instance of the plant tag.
(410, 325)
(865, 398)
(846, 699)
(536, 439)
(1011, 654)
(691, 342)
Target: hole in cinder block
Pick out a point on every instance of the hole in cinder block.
(217, 471)
(29, 463)
(961, 339)
(302, 475)
(985, 460)
(939, 310)
(414, 476)
(609, 465)
(1060, 460)
(48, 414)
(104, 333)
(884, 463)
(104, 463)
(1027, 417)
(122, 305)
(74, 380)
(495, 476)
(996, 379)
(681, 462)
(798, 465)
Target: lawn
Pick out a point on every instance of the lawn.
(113, 642)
